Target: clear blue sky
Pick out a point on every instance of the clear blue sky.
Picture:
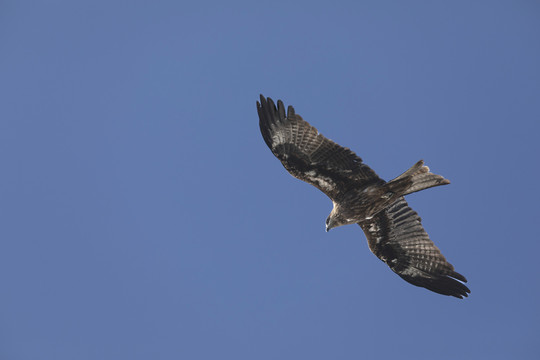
(143, 217)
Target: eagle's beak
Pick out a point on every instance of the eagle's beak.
(327, 229)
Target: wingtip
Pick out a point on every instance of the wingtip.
(458, 276)
(290, 112)
(271, 103)
(281, 110)
(457, 288)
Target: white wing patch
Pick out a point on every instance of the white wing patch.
(411, 271)
(374, 229)
(278, 139)
(323, 182)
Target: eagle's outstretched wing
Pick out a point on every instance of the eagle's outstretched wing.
(396, 236)
(308, 155)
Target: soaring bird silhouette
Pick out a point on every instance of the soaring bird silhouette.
(394, 231)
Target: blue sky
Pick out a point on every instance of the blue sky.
(144, 217)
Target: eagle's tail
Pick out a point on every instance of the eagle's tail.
(417, 178)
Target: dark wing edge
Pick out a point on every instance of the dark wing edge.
(397, 237)
(308, 155)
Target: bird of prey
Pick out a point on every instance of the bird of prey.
(394, 231)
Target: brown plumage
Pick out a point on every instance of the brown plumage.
(393, 230)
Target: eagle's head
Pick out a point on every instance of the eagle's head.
(335, 219)
(329, 223)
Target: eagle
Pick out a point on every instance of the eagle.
(393, 230)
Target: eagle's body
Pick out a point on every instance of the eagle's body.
(393, 230)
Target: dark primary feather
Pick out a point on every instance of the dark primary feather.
(397, 237)
(308, 155)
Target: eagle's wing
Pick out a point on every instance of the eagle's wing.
(396, 236)
(308, 155)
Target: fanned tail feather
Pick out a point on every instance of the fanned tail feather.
(417, 178)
